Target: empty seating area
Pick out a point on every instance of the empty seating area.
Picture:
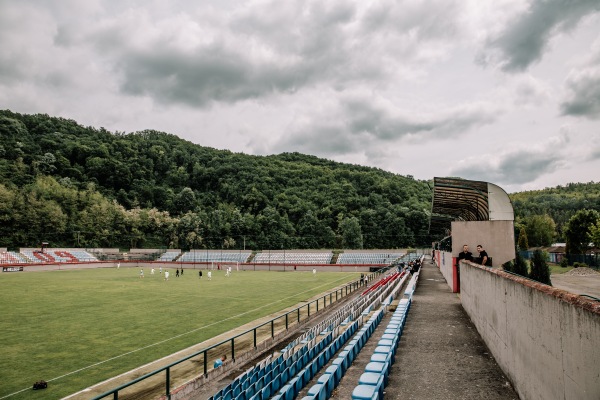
(319, 359)
(293, 258)
(169, 255)
(383, 258)
(215, 256)
(375, 376)
(28, 256)
(11, 257)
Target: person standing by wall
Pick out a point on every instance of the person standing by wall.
(465, 254)
(483, 255)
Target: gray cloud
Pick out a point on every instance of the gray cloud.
(424, 20)
(594, 155)
(516, 166)
(359, 122)
(583, 98)
(248, 55)
(524, 41)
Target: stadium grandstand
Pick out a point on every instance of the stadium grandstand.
(169, 255)
(293, 257)
(34, 256)
(215, 256)
(12, 257)
(377, 258)
(312, 366)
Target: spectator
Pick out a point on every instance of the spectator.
(483, 255)
(219, 361)
(465, 254)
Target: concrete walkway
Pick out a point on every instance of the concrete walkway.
(441, 355)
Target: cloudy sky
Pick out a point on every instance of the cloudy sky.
(505, 91)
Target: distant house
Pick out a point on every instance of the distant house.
(555, 252)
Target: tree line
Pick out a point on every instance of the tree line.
(568, 214)
(72, 185)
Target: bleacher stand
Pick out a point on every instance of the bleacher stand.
(377, 258)
(169, 255)
(293, 258)
(11, 257)
(215, 256)
(284, 375)
(57, 256)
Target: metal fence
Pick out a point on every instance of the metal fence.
(591, 260)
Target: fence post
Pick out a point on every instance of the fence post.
(254, 337)
(272, 328)
(286, 321)
(205, 362)
(168, 383)
(233, 348)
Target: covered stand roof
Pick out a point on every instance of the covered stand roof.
(463, 200)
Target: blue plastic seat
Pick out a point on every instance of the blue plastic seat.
(365, 392)
(329, 382)
(317, 392)
(373, 379)
(336, 371)
(379, 368)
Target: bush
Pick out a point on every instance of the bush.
(508, 266)
(564, 263)
(577, 264)
(539, 268)
(520, 266)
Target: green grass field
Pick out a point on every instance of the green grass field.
(54, 323)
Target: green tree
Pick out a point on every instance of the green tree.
(578, 229)
(539, 268)
(594, 233)
(523, 243)
(540, 230)
(185, 200)
(351, 233)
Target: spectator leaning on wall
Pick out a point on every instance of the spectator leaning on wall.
(483, 256)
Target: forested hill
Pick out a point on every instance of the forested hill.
(549, 210)
(72, 185)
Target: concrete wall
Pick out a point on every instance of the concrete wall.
(446, 261)
(546, 340)
(496, 237)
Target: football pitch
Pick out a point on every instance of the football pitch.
(79, 327)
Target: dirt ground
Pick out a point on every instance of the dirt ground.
(578, 284)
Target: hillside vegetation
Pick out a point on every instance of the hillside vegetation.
(81, 186)
(545, 214)
(72, 185)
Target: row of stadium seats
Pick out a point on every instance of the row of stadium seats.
(215, 256)
(329, 380)
(375, 378)
(49, 256)
(293, 258)
(300, 362)
(169, 255)
(11, 257)
(368, 258)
